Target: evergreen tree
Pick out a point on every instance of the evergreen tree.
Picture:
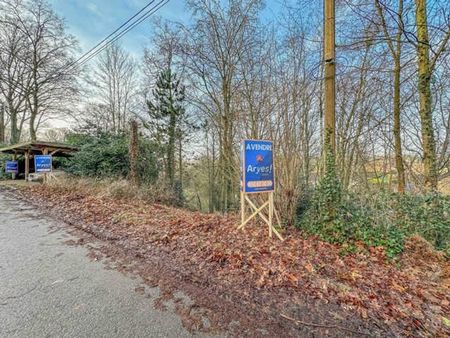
(167, 114)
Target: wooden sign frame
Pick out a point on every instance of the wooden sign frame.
(258, 210)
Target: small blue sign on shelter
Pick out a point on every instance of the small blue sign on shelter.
(43, 163)
(12, 167)
(257, 171)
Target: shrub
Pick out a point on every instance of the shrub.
(383, 219)
(3, 159)
(428, 216)
(106, 156)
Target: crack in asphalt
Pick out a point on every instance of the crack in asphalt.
(19, 295)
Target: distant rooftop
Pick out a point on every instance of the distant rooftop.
(38, 147)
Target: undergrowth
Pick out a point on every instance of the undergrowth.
(381, 219)
(3, 159)
(375, 220)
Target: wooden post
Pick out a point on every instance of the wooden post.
(330, 72)
(45, 152)
(13, 175)
(242, 207)
(27, 164)
(270, 213)
(133, 151)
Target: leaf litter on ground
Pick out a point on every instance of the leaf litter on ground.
(263, 279)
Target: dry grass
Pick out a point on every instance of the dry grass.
(117, 189)
(17, 183)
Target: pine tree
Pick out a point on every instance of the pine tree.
(167, 113)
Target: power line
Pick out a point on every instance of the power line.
(85, 58)
(106, 38)
(117, 37)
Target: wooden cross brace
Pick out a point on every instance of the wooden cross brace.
(259, 211)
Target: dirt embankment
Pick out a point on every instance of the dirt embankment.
(246, 284)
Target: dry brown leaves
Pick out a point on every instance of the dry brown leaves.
(411, 301)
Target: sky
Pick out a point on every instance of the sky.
(92, 20)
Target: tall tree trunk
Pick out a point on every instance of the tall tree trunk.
(330, 75)
(212, 176)
(15, 133)
(134, 153)
(424, 84)
(306, 152)
(397, 105)
(171, 149)
(32, 127)
(397, 127)
(180, 159)
(223, 165)
(226, 165)
(396, 53)
(34, 105)
(2, 123)
(226, 158)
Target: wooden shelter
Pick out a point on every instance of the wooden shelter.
(29, 149)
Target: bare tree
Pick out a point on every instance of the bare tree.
(213, 49)
(14, 77)
(395, 48)
(115, 82)
(37, 79)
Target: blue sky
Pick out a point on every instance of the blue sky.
(92, 20)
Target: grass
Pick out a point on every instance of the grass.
(17, 183)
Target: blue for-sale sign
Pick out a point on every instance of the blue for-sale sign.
(12, 167)
(257, 172)
(43, 163)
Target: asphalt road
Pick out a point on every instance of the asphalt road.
(50, 289)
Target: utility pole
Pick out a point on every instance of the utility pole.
(330, 76)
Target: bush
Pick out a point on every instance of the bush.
(428, 216)
(106, 156)
(3, 159)
(384, 219)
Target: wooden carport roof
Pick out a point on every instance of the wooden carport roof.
(38, 148)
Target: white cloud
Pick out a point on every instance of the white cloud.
(93, 8)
